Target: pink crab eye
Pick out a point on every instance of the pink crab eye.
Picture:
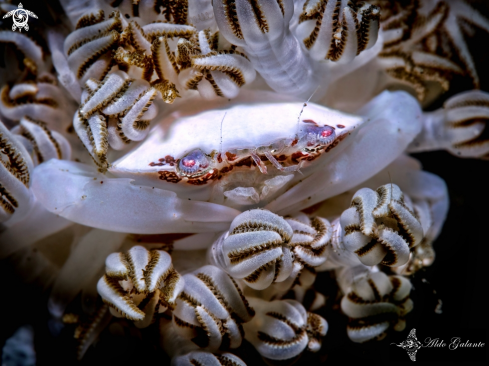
(326, 135)
(318, 136)
(189, 163)
(193, 164)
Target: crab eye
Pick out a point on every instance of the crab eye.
(326, 135)
(317, 136)
(193, 164)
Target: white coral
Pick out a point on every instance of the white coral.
(374, 303)
(139, 284)
(381, 226)
(458, 127)
(283, 329)
(211, 309)
(263, 248)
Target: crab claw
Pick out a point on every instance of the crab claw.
(79, 193)
(392, 121)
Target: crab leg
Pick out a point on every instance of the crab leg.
(259, 163)
(276, 164)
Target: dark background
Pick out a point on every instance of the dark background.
(457, 277)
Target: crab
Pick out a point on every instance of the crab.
(273, 147)
(209, 166)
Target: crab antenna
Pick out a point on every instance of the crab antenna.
(220, 148)
(303, 106)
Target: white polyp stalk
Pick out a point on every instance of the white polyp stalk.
(85, 260)
(75, 9)
(448, 128)
(201, 15)
(345, 276)
(284, 66)
(432, 136)
(173, 343)
(195, 242)
(41, 224)
(274, 52)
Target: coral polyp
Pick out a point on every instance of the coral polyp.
(228, 182)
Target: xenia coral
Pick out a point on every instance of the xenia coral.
(187, 171)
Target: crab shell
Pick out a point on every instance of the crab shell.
(217, 133)
(140, 202)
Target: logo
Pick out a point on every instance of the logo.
(457, 344)
(20, 16)
(411, 344)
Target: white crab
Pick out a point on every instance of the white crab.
(186, 177)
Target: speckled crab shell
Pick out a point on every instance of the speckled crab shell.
(228, 136)
(220, 132)
(390, 122)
